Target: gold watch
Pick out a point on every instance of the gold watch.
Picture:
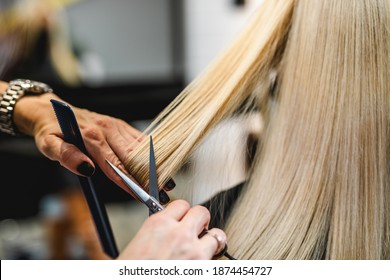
(16, 90)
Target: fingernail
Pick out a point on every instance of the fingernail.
(164, 198)
(170, 184)
(86, 169)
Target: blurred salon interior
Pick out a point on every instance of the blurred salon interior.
(123, 58)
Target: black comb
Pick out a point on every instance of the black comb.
(72, 135)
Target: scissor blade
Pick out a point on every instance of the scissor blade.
(153, 187)
(137, 190)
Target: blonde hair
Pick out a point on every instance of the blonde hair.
(320, 186)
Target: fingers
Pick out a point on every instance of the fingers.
(67, 154)
(177, 209)
(109, 139)
(179, 235)
(170, 185)
(122, 140)
(119, 137)
(213, 242)
(105, 138)
(197, 218)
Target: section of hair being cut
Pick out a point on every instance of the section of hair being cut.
(319, 186)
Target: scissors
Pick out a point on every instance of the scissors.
(71, 132)
(151, 199)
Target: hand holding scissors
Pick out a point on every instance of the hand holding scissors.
(198, 215)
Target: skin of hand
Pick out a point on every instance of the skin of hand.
(104, 137)
(170, 234)
(174, 234)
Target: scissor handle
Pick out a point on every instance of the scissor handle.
(153, 205)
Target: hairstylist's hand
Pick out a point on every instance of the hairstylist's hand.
(174, 234)
(104, 137)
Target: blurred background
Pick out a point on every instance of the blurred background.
(124, 58)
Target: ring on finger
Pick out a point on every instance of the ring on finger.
(222, 245)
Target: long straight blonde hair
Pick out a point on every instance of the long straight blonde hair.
(320, 185)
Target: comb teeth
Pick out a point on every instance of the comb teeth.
(70, 133)
(61, 120)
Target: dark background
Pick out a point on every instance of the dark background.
(26, 175)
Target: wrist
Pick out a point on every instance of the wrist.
(21, 105)
(3, 86)
(32, 111)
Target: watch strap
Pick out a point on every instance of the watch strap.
(16, 90)
(7, 105)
